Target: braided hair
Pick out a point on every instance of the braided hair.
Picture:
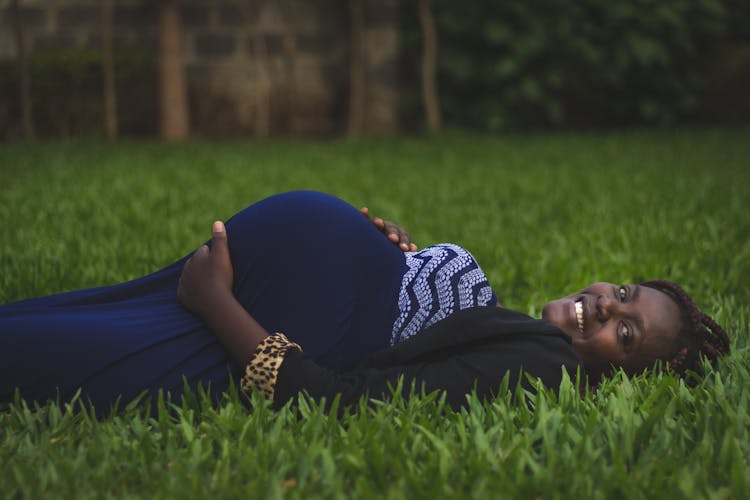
(700, 336)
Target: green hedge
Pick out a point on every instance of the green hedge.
(585, 63)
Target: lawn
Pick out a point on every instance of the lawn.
(543, 214)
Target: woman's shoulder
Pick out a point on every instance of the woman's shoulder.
(478, 327)
(483, 345)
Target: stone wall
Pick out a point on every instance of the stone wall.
(307, 47)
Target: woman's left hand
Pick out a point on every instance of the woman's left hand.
(207, 276)
(393, 232)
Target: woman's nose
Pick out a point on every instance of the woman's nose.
(604, 307)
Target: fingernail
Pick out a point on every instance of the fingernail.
(218, 226)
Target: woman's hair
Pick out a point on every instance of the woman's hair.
(700, 336)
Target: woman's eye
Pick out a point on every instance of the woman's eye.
(626, 336)
(623, 293)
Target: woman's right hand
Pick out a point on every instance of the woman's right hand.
(393, 232)
(207, 276)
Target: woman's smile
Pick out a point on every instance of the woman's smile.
(578, 305)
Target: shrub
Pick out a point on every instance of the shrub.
(549, 63)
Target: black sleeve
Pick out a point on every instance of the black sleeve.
(481, 367)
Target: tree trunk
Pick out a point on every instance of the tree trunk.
(263, 94)
(429, 67)
(108, 74)
(24, 87)
(357, 71)
(175, 124)
(290, 57)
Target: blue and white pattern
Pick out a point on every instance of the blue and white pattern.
(441, 280)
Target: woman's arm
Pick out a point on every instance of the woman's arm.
(299, 374)
(483, 368)
(205, 288)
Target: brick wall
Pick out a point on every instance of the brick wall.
(306, 43)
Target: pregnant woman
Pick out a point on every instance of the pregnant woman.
(309, 266)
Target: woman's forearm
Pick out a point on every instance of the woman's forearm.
(205, 288)
(237, 331)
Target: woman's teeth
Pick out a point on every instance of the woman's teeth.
(579, 315)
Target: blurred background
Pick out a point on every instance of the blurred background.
(181, 69)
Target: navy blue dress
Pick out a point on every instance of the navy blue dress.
(305, 263)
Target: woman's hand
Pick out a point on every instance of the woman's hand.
(207, 276)
(395, 233)
(205, 289)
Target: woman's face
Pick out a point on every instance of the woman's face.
(628, 326)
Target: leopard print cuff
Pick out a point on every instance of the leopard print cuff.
(263, 368)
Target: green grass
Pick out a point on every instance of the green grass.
(543, 214)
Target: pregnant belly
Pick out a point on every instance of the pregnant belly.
(311, 266)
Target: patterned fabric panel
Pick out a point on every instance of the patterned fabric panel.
(441, 280)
